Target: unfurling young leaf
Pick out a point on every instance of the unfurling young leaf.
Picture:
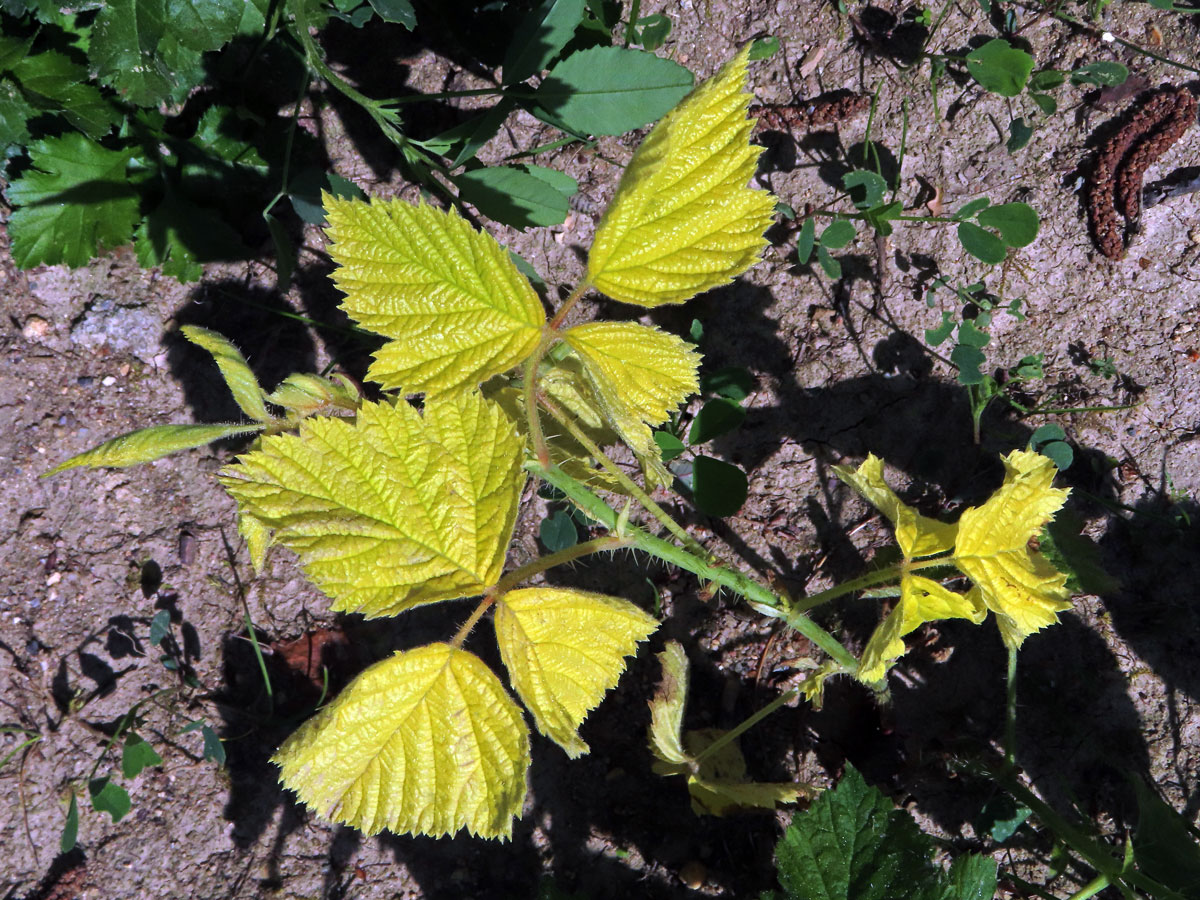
(564, 650)
(241, 381)
(454, 303)
(425, 742)
(149, 444)
(684, 219)
(395, 510)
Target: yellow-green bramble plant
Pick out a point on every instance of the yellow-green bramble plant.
(388, 507)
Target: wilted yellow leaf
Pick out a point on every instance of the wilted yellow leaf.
(564, 650)
(640, 375)
(450, 296)
(425, 742)
(1018, 584)
(684, 219)
(394, 510)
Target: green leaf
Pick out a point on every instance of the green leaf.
(806, 241)
(983, 245)
(285, 252)
(149, 444)
(832, 267)
(670, 445)
(160, 627)
(398, 12)
(718, 488)
(716, 417)
(137, 755)
(972, 335)
(1019, 134)
(70, 832)
(214, 749)
(1045, 103)
(838, 234)
(53, 82)
(395, 510)
(1000, 67)
(968, 361)
(1164, 844)
(74, 201)
(179, 235)
(881, 217)
(110, 797)
(655, 29)
(935, 336)
(15, 113)
(309, 184)
(240, 380)
(519, 196)
(611, 90)
(1000, 817)
(1046, 79)
(1101, 74)
(1017, 222)
(972, 877)
(972, 208)
(764, 48)
(733, 382)
(540, 37)
(13, 50)
(851, 844)
(558, 532)
(866, 188)
(1070, 550)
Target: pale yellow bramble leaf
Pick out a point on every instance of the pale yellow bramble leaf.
(425, 742)
(450, 296)
(666, 711)
(1019, 585)
(684, 219)
(148, 444)
(257, 537)
(639, 375)
(564, 650)
(917, 535)
(234, 369)
(394, 510)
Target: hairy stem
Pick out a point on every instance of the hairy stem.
(759, 596)
(568, 304)
(870, 579)
(746, 724)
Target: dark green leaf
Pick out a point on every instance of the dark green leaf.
(306, 188)
(606, 12)
(972, 877)
(935, 336)
(696, 331)
(179, 235)
(526, 268)
(881, 217)
(851, 844)
(74, 201)
(160, 627)
(733, 382)
(1000, 67)
(540, 37)
(764, 48)
(1070, 550)
(839, 233)
(1047, 79)
(13, 50)
(983, 245)
(1060, 453)
(1101, 74)
(1045, 103)
(110, 797)
(70, 832)
(15, 113)
(968, 360)
(832, 267)
(520, 196)
(1164, 844)
(785, 211)
(716, 417)
(54, 83)
(137, 755)
(285, 252)
(806, 241)
(1000, 818)
(1163, 4)
(214, 750)
(1019, 133)
(669, 444)
(718, 488)
(655, 29)
(970, 335)
(611, 90)
(1017, 222)
(1050, 432)
(558, 532)
(969, 210)
(398, 12)
(866, 188)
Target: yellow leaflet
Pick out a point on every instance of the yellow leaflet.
(450, 296)
(1019, 585)
(916, 534)
(425, 742)
(683, 219)
(234, 369)
(564, 650)
(149, 444)
(394, 510)
(666, 711)
(640, 375)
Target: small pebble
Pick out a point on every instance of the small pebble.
(108, 381)
(35, 328)
(85, 381)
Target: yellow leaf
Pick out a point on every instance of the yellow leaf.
(425, 742)
(449, 295)
(916, 534)
(640, 375)
(394, 510)
(234, 369)
(1018, 584)
(683, 219)
(149, 444)
(564, 650)
(666, 712)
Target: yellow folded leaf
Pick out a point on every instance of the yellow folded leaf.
(564, 650)
(917, 535)
(425, 742)
(666, 711)
(639, 375)
(1018, 584)
(234, 369)
(450, 296)
(394, 510)
(684, 218)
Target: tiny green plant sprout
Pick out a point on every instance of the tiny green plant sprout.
(389, 505)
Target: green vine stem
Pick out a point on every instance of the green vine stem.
(746, 724)
(870, 579)
(759, 596)
(1010, 712)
